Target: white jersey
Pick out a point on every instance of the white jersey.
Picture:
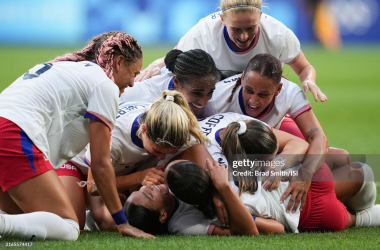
(52, 101)
(291, 100)
(149, 90)
(209, 34)
(187, 220)
(127, 152)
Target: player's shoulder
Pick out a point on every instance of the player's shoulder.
(272, 28)
(270, 22)
(210, 22)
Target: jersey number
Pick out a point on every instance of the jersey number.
(37, 70)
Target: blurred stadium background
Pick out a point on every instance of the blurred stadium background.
(347, 65)
(36, 31)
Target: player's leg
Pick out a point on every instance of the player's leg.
(355, 186)
(30, 181)
(7, 204)
(337, 157)
(46, 193)
(70, 175)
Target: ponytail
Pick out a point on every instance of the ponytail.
(170, 121)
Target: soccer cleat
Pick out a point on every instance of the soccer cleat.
(369, 217)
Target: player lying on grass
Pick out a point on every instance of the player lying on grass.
(238, 33)
(192, 73)
(322, 210)
(143, 134)
(70, 102)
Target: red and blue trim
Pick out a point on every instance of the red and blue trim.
(171, 85)
(27, 148)
(100, 118)
(301, 111)
(134, 138)
(217, 136)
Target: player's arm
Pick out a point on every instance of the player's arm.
(241, 221)
(307, 76)
(153, 176)
(198, 154)
(153, 69)
(293, 150)
(104, 177)
(315, 157)
(265, 226)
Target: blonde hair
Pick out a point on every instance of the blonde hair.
(224, 4)
(170, 122)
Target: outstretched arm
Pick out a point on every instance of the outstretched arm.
(153, 69)
(307, 76)
(104, 177)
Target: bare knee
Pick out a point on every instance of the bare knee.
(337, 158)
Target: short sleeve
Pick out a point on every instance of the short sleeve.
(103, 103)
(292, 48)
(300, 104)
(191, 40)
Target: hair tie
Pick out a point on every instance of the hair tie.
(243, 127)
(237, 6)
(169, 98)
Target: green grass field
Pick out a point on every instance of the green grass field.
(350, 119)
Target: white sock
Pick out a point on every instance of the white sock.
(90, 222)
(366, 196)
(38, 226)
(369, 217)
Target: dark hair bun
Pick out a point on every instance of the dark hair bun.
(171, 58)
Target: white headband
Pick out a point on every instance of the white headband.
(243, 128)
(238, 6)
(169, 98)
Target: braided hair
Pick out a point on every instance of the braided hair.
(191, 65)
(265, 65)
(103, 48)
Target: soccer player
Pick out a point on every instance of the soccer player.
(261, 92)
(143, 135)
(49, 115)
(193, 73)
(239, 32)
(322, 211)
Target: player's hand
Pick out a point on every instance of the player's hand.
(221, 210)
(274, 178)
(309, 85)
(127, 230)
(218, 174)
(152, 70)
(298, 187)
(152, 176)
